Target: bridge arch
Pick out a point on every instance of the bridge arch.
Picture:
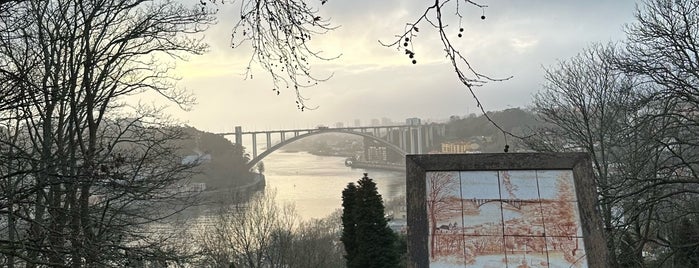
(272, 149)
(515, 203)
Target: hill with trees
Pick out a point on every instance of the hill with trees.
(479, 129)
(222, 163)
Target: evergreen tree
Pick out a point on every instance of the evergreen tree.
(368, 240)
(349, 224)
(686, 239)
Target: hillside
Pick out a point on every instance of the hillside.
(477, 128)
(222, 162)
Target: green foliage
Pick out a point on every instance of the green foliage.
(349, 232)
(402, 247)
(368, 240)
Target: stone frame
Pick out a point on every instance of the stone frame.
(580, 163)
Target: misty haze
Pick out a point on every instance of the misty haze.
(260, 133)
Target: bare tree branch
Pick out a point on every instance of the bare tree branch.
(433, 18)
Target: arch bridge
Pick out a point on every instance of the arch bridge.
(516, 203)
(403, 139)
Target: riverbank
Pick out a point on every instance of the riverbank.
(356, 164)
(374, 165)
(238, 191)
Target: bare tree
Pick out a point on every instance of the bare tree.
(589, 107)
(261, 233)
(256, 233)
(95, 182)
(662, 52)
(435, 17)
(14, 186)
(441, 203)
(635, 109)
(278, 33)
(317, 243)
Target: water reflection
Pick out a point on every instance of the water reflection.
(315, 183)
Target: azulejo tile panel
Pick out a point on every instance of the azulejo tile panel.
(522, 218)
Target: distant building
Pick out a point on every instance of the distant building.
(187, 188)
(386, 121)
(377, 154)
(459, 147)
(413, 121)
(196, 159)
(375, 122)
(357, 123)
(196, 186)
(339, 125)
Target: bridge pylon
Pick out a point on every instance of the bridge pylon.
(238, 135)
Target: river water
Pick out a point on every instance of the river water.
(314, 184)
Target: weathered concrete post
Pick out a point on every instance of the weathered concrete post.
(269, 140)
(412, 141)
(420, 142)
(239, 135)
(254, 145)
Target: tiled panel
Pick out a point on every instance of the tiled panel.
(480, 185)
(556, 185)
(446, 250)
(447, 225)
(566, 252)
(484, 251)
(488, 222)
(485, 220)
(444, 205)
(519, 184)
(561, 219)
(527, 250)
(440, 185)
(523, 218)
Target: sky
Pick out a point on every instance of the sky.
(517, 38)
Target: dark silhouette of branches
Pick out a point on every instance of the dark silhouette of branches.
(279, 33)
(86, 182)
(433, 17)
(634, 108)
(262, 233)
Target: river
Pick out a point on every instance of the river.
(314, 184)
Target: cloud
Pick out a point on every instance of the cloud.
(371, 81)
(522, 44)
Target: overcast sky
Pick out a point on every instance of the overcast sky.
(518, 38)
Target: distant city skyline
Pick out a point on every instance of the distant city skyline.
(372, 82)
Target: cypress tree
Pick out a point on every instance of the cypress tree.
(349, 224)
(369, 242)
